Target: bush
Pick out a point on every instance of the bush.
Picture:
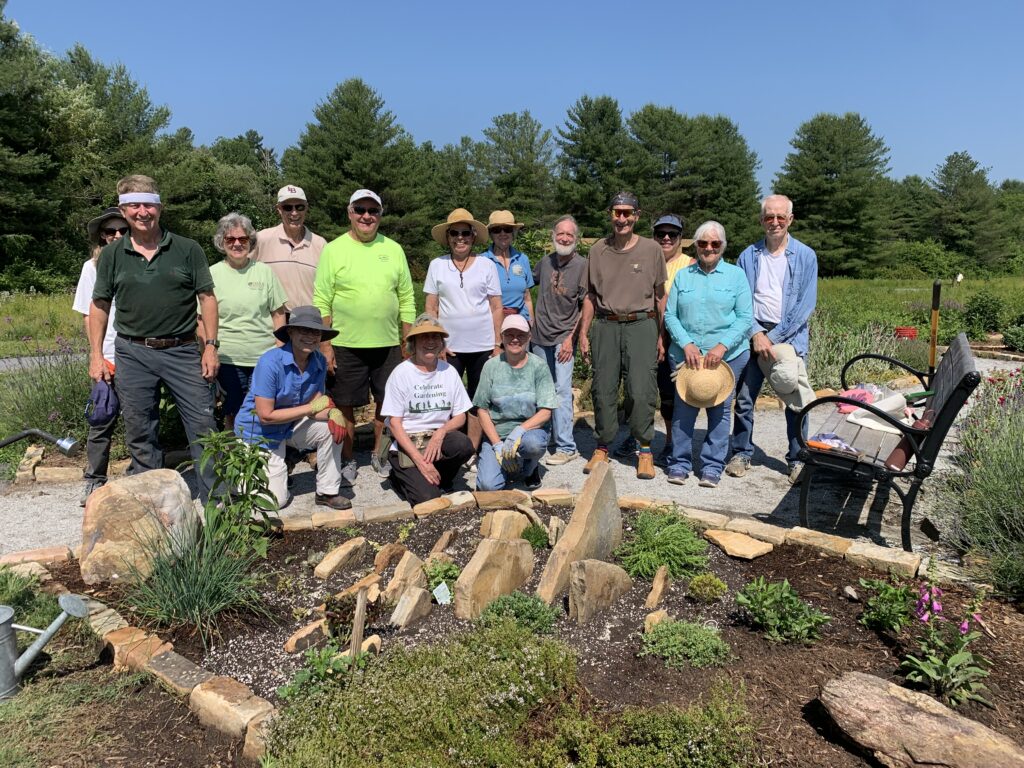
(439, 571)
(833, 343)
(983, 313)
(707, 588)
(1013, 337)
(529, 612)
(778, 611)
(888, 607)
(537, 535)
(683, 643)
(660, 536)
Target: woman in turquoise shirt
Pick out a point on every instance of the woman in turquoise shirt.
(708, 317)
(514, 271)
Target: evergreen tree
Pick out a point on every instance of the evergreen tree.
(911, 209)
(516, 163)
(967, 220)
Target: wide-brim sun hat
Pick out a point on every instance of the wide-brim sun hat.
(503, 219)
(705, 387)
(425, 324)
(459, 216)
(93, 227)
(305, 317)
(787, 376)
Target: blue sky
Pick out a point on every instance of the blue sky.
(931, 76)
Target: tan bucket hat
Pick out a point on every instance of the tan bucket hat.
(503, 219)
(705, 387)
(787, 375)
(459, 216)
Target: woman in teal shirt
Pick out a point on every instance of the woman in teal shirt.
(708, 318)
(514, 271)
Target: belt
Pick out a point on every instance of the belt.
(628, 318)
(159, 342)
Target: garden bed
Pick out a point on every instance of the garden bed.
(782, 681)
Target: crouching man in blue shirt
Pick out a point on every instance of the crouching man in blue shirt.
(286, 406)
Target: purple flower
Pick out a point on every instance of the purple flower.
(965, 625)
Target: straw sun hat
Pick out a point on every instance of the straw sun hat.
(705, 387)
(503, 219)
(459, 216)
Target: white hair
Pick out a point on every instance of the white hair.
(706, 227)
(789, 203)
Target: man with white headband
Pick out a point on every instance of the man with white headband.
(155, 277)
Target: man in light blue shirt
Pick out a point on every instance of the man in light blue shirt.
(783, 276)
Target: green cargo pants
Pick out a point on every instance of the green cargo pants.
(624, 351)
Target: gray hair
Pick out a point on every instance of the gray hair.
(789, 203)
(229, 222)
(567, 217)
(706, 227)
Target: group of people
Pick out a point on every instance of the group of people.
(296, 333)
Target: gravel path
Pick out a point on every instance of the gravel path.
(49, 515)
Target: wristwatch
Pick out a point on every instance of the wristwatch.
(215, 343)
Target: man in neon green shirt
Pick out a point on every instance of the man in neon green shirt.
(364, 291)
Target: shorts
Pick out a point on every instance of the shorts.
(362, 371)
(470, 363)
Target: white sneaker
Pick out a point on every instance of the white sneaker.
(560, 458)
(349, 472)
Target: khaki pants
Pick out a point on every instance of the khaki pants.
(307, 435)
(629, 352)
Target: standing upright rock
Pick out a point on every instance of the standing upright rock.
(498, 567)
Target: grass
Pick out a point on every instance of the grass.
(660, 536)
(31, 607)
(36, 323)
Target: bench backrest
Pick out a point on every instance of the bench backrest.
(952, 383)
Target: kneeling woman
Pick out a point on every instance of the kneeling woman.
(286, 406)
(425, 404)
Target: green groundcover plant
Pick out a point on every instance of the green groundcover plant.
(537, 535)
(887, 609)
(661, 536)
(528, 611)
(777, 610)
(441, 571)
(706, 588)
(684, 643)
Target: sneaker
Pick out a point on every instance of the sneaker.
(337, 501)
(88, 488)
(796, 473)
(532, 481)
(708, 481)
(737, 466)
(470, 465)
(349, 473)
(600, 457)
(627, 449)
(645, 466)
(382, 468)
(677, 477)
(558, 459)
(661, 460)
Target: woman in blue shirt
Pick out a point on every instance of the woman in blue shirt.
(708, 318)
(514, 271)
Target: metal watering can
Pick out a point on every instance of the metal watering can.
(12, 666)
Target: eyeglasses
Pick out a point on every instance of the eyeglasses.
(243, 240)
(111, 231)
(623, 213)
(362, 210)
(501, 230)
(454, 233)
(779, 217)
(289, 207)
(712, 244)
(661, 234)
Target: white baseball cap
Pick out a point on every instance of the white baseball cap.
(362, 194)
(290, 192)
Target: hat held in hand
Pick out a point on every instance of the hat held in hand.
(705, 387)
(787, 376)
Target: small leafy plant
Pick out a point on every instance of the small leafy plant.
(537, 535)
(441, 571)
(404, 531)
(706, 588)
(660, 536)
(527, 611)
(777, 610)
(322, 666)
(683, 643)
(340, 612)
(888, 607)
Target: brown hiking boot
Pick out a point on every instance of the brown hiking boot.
(600, 456)
(645, 466)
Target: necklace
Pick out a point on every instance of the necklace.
(462, 270)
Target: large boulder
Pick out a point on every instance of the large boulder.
(498, 567)
(594, 531)
(593, 586)
(130, 516)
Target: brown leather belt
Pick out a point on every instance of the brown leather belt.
(628, 318)
(159, 342)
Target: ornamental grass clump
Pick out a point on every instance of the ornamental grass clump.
(686, 644)
(537, 535)
(777, 610)
(661, 536)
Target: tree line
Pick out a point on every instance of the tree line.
(70, 126)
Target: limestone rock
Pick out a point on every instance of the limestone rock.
(498, 567)
(330, 518)
(408, 573)
(370, 645)
(553, 497)
(431, 507)
(703, 518)
(412, 606)
(756, 529)
(256, 735)
(461, 500)
(662, 582)
(339, 557)
(177, 673)
(227, 705)
(305, 522)
(384, 514)
(499, 499)
(903, 728)
(42, 555)
(534, 518)
(485, 524)
(593, 586)
(884, 559)
(655, 618)
(823, 542)
(132, 647)
(444, 541)
(508, 524)
(31, 568)
(556, 527)
(129, 513)
(593, 532)
(387, 555)
(738, 544)
(306, 637)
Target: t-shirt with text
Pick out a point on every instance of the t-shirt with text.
(424, 400)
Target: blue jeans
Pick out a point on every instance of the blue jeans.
(489, 474)
(748, 388)
(235, 381)
(716, 443)
(562, 416)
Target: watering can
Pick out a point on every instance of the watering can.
(12, 666)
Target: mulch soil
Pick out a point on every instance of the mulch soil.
(782, 681)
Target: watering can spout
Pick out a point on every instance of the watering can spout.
(12, 666)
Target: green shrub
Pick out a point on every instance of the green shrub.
(888, 607)
(32, 607)
(661, 536)
(683, 643)
(707, 588)
(323, 666)
(1013, 337)
(537, 535)
(983, 313)
(529, 612)
(777, 610)
(439, 571)
(833, 344)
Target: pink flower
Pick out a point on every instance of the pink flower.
(965, 625)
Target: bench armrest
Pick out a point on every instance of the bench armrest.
(920, 375)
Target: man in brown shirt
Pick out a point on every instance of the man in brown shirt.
(623, 313)
(291, 249)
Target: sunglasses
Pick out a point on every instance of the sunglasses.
(111, 231)
(712, 244)
(362, 210)
(671, 234)
(780, 217)
(243, 240)
(623, 213)
(289, 207)
(502, 230)
(453, 233)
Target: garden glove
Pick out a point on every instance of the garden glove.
(321, 403)
(510, 450)
(336, 425)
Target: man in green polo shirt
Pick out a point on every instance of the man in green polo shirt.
(154, 277)
(364, 291)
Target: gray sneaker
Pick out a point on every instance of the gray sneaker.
(737, 466)
(349, 472)
(88, 488)
(558, 459)
(796, 473)
(382, 468)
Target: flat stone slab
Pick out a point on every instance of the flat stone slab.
(256, 736)
(306, 636)
(227, 705)
(507, 524)
(738, 544)
(636, 503)
(499, 499)
(133, 647)
(554, 497)
(303, 523)
(176, 672)
(461, 500)
(42, 555)
(388, 554)
(431, 507)
(339, 557)
(756, 529)
(30, 569)
(413, 605)
(333, 518)
(703, 518)
(384, 514)
(651, 620)
(444, 541)
(106, 621)
(884, 559)
(408, 573)
(58, 474)
(824, 542)
(662, 581)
